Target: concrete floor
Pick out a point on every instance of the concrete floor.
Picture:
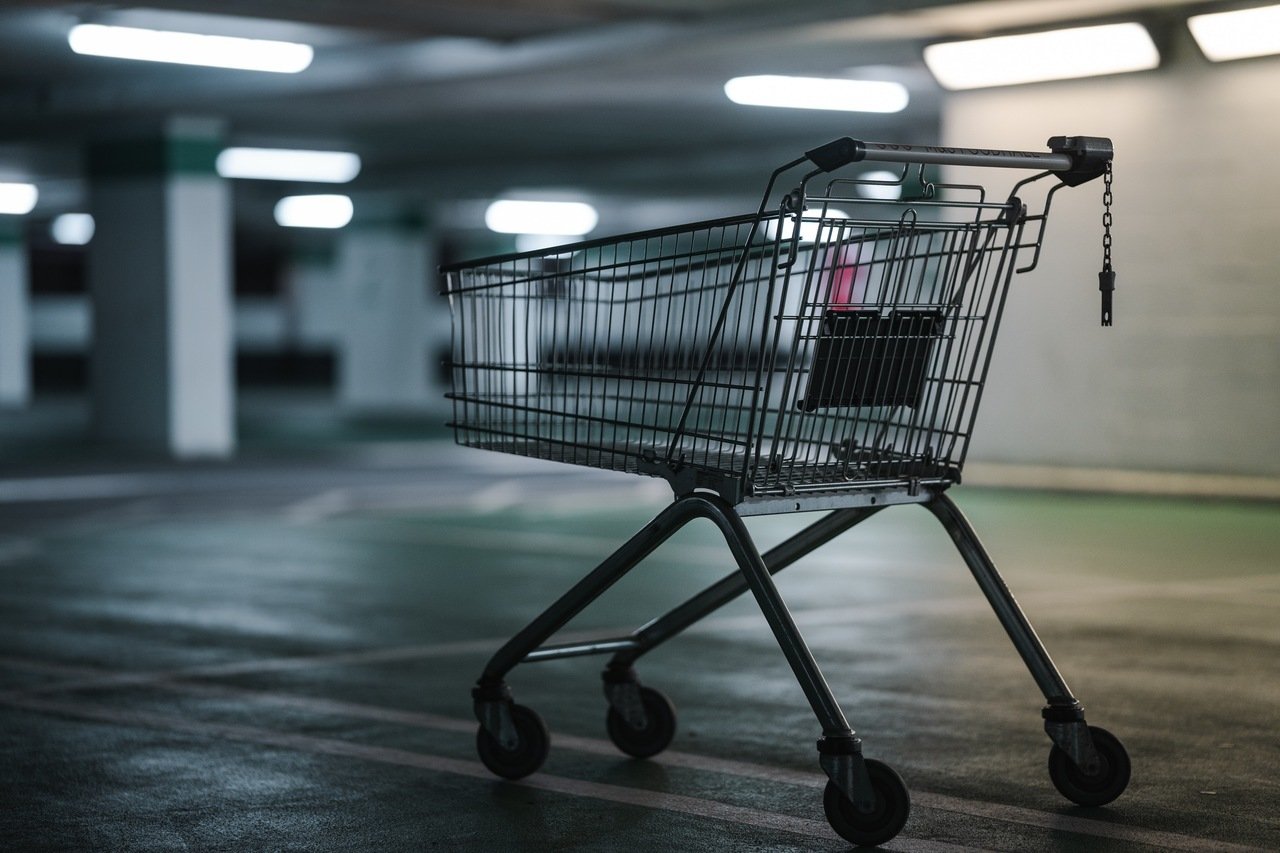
(276, 654)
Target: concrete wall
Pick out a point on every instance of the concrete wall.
(1189, 377)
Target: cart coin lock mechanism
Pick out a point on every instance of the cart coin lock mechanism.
(827, 352)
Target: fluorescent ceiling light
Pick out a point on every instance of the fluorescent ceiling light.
(314, 211)
(279, 164)
(72, 229)
(1237, 35)
(18, 198)
(189, 48)
(515, 216)
(1035, 57)
(818, 93)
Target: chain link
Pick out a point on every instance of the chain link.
(1106, 218)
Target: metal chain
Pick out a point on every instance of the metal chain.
(1106, 219)
(1106, 278)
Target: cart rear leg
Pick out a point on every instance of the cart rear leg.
(512, 740)
(641, 721)
(1087, 764)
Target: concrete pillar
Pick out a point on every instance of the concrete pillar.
(160, 280)
(386, 272)
(15, 316)
(312, 302)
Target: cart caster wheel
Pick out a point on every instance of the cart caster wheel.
(658, 732)
(884, 821)
(1097, 788)
(531, 749)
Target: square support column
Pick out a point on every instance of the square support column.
(384, 272)
(15, 316)
(312, 300)
(160, 280)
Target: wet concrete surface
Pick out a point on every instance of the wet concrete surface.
(277, 653)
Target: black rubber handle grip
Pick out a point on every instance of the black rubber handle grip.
(1089, 157)
(840, 152)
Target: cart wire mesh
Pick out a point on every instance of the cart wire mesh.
(832, 344)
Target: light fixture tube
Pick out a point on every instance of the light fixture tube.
(1237, 35)
(1036, 57)
(18, 199)
(519, 216)
(314, 211)
(281, 57)
(280, 164)
(818, 93)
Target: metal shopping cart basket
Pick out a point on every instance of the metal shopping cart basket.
(827, 352)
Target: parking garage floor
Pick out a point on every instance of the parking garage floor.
(276, 653)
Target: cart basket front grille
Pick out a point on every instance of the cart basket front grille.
(767, 355)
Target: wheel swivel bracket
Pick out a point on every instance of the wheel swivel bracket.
(841, 759)
(1068, 730)
(622, 689)
(492, 706)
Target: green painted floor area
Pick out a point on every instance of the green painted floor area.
(277, 654)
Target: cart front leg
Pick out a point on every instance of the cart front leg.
(1088, 764)
(839, 749)
(1006, 608)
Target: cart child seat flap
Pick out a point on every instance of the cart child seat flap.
(866, 358)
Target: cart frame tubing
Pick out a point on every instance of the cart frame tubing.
(755, 573)
(1006, 608)
(728, 588)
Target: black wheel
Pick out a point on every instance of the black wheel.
(1102, 786)
(531, 749)
(885, 819)
(658, 731)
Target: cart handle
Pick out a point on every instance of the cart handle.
(1076, 159)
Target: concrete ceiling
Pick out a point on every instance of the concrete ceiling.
(464, 98)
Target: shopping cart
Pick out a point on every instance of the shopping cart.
(827, 352)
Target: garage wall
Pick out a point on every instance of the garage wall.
(1188, 380)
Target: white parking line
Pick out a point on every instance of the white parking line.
(21, 548)
(744, 769)
(671, 758)
(1242, 589)
(318, 507)
(86, 487)
(695, 806)
(94, 678)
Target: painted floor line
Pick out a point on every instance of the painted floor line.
(18, 549)
(94, 678)
(691, 761)
(562, 544)
(85, 487)
(730, 767)
(1246, 586)
(752, 621)
(643, 798)
(805, 619)
(318, 507)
